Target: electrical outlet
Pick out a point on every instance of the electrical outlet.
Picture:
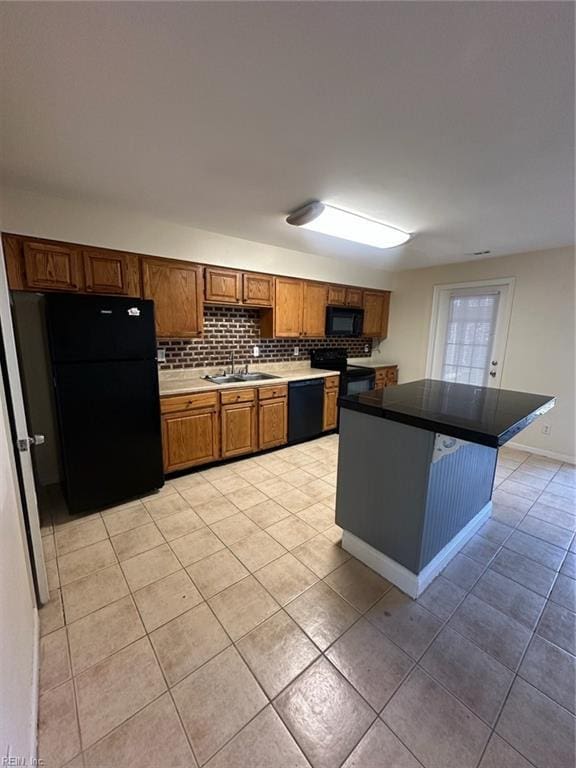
(546, 429)
(296, 351)
(161, 355)
(256, 351)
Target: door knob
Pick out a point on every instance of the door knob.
(494, 362)
(493, 374)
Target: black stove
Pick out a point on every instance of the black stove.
(353, 378)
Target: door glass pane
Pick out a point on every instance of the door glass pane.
(469, 338)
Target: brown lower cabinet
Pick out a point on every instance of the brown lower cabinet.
(330, 402)
(190, 430)
(238, 417)
(272, 417)
(208, 426)
(386, 376)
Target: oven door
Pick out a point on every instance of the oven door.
(359, 384)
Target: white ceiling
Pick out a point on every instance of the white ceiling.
(454, 121)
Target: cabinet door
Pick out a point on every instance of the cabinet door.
(238, 429)
(258, 290)
(391, 376)
(380, 380)
(376, 309)
(176, 288)
(288, 310)
(222, 286)
(336, 296)
(110, 272)
(314, 313)
(330, 408)
(52, 267)
(354, 297)
(190, 438)
(272, 423)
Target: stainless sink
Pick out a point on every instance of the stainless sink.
(255, 376)
(234, 378)
(226, 378)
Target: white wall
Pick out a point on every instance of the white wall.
(59, 219)
(18, 614)
(540, 354)
(540, 351)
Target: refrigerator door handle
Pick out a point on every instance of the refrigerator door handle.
(24, 443)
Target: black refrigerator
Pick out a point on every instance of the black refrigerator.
(103, 352)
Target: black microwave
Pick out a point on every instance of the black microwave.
(344, 321)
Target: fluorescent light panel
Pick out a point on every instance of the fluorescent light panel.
(328, 220)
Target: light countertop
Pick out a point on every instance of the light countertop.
(191, 380)
(371, 362)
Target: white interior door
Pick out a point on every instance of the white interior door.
(24, 459)
(470, 330)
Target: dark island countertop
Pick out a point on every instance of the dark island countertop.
(482, 415)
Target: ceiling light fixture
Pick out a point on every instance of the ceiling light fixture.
(328, 220)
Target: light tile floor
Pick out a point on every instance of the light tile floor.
(220, 623)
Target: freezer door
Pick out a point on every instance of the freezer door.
(90, 328)
(109, 415)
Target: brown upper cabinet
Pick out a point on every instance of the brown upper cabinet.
(314, 310)
(227, 286)
(299, 310)
(52, 267)
(290, 307)
(289, 302)
(340, 296)
(176, 288)
(42, 265)
(111, 272)
(257, 290)
(354, 297)
(376, 310)
(337, 296)
(222, 286)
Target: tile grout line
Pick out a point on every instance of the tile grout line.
(362, 614)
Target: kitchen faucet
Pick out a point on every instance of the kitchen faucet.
(232, 365)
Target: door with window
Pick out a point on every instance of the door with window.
(470, 329)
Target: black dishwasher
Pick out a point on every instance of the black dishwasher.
(305, 409)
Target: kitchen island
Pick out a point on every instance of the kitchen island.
(415, 471)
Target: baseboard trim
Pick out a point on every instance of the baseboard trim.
(413, 584)
(542, 452)
(35, 691)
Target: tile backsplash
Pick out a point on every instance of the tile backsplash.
(237, 329)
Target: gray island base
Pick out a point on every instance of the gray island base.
(408, 498)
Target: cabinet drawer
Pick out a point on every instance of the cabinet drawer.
(237, 396)
(176, 403)
(267, 393)
(331, 382)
